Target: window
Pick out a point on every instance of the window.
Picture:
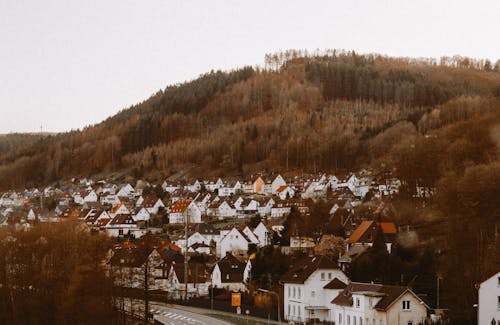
(322, 275)
(348, 320)
(354, 320)
(357, 302)
(406, 305)
(410, 323)
(289, 308)
(329, 275)
(299, 293)
(340, 318)
(293, 308)
(289, 289)
(498, 303)
(294, 292)
(312, 294)
(360, 321)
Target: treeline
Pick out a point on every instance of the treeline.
(323, 112)
(55, 274)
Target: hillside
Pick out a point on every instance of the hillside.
(334, 111)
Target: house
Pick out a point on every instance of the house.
(277, 183)
(141, 214)
(302, 243)
(126, 191)
(285, 192)
(263, 234)
(365, 234)
(231, 273)
(127, 266)
(258, 183)
(169, 187)
(488, 310)
(109, 199)
(182, 209)
(235, 242)
(198, 280)
(265, 207)
(366, 303)
(151, 203)
(123, 225)
(305, 296)
(221, 209)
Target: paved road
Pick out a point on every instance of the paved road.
(174, 316)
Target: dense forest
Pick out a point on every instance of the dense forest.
(328, 111)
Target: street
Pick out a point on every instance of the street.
(174, 316)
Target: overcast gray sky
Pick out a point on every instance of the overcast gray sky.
(67, 64)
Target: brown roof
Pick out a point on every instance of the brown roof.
(180, 206)
(231, 269)
(197, 272)
(366, 231)
(335, 284)
(302, 268)
(121, 219)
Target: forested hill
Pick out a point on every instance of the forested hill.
(337, 110)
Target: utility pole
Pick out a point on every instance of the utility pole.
(186, 221)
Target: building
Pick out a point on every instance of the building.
(307, 290)
(377, 304)
(488, 310)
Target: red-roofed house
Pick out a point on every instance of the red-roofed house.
(183, 209)
(365, 234)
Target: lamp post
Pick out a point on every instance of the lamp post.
(277, 296)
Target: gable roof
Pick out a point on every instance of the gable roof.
(302, 268)
(364, 229)
(180, 206)
(388, 293)
(231, 269)
(335, 284)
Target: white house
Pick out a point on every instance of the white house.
(234, 242)
(183, 209)
(123, 225)
(168, 187)
(126, 191)
(265, 207)
(231, 273)
(263, 234)
(141, 214)
(370, 304)
(285, 192)
(305, 296)
(110, 199)
(488, 310)
(277, 183)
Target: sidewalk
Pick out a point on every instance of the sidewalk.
(208, 312)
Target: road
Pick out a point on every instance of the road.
(174, 316)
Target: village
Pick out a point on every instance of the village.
(203, 239)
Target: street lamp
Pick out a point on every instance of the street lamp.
(277, 296)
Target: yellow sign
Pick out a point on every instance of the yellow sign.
(235, 299)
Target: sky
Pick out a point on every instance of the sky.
(67, 64)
